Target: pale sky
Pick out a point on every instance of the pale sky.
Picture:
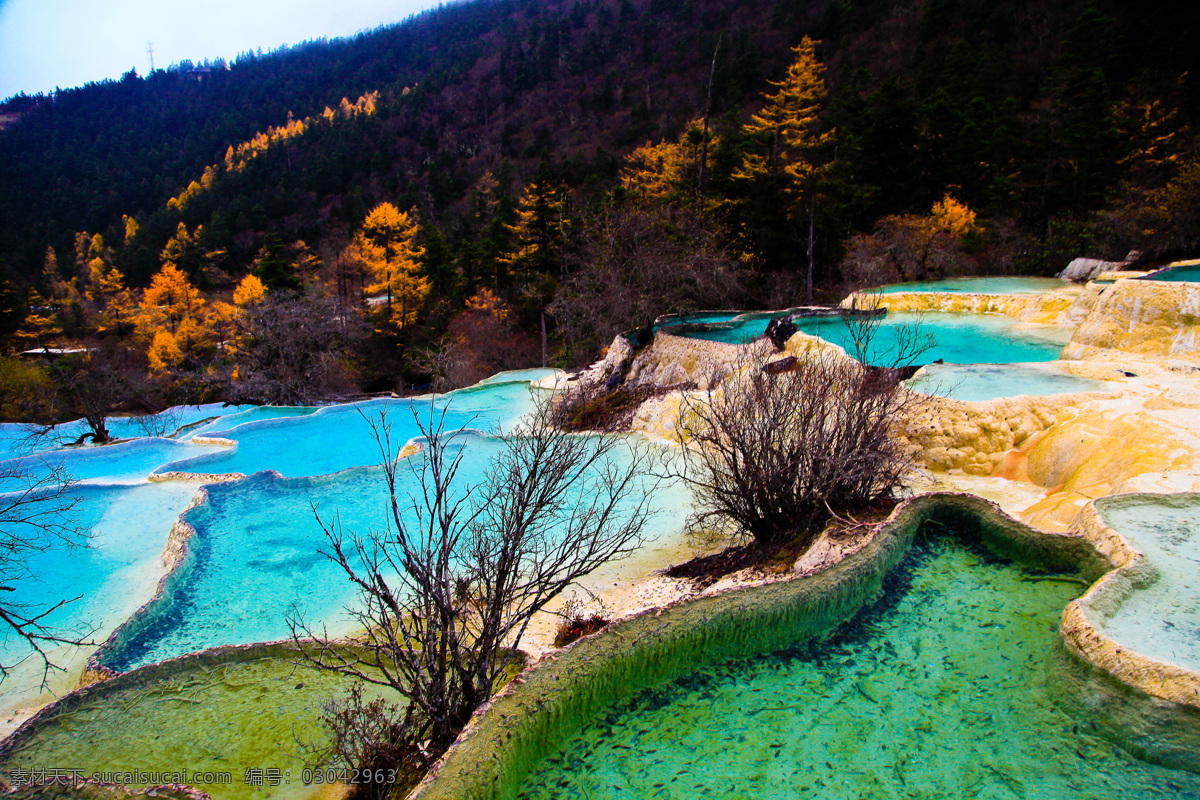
(66, 43)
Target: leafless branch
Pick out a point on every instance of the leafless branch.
(771, 454)
(447, 590)
(38, 512)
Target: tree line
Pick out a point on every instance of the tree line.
(984, 142)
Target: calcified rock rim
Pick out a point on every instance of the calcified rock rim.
(550, 699)
(1081, 621)
(178, 558)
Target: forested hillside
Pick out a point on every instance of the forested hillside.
(553, 170)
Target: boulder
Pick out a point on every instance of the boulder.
(779, 330)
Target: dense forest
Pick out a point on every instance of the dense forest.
(511, 182)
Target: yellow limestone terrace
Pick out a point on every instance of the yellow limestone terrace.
(1050, 308)
(1155, 319)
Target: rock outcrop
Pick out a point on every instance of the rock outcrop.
(1155, 319)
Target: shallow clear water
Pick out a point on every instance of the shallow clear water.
(339, 437)
(112, 577)
(256, 558)
(124, 462)
(936, 691)
(131, 520)
(1162, 620)
(978, 382)
(253, 414)
(979, 285)
(256, 555)
(15, 439)
(223, 718)
(956, 338)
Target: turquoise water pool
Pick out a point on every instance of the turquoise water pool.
(16, 439)
(124, 462)
(979, 382)
(979, 285)
(340, 437)
(955, 338)
(261, 536)
(257, 555)
(1187, 274)
(110, 578)
(938, 690)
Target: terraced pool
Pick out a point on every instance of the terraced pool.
(936, 690)
(979, 382)
(1162, 619)
(953, 338)
(979, 285)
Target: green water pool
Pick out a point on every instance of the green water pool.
(221, 719)
(938, 690)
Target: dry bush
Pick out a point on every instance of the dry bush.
(447, 590)
(368, 740)
(773, 456)
(579, 622)
(592, 406)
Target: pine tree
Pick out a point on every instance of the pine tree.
(787, 137)
(387, 249)
(275, 272)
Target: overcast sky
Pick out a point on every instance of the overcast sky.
(63, 43)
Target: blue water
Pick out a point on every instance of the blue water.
(257, 553)
(340, 437)
(953, 338)
(124, 462)
(261, 536)
(253, 414)
(978, 382)
(16, 439)
(979, 285)
(111, 577)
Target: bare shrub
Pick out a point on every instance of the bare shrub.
(592, 406)
(631, 263)
(447, 590)
(772, 455)
(293, 349)
(164, 423)
(37, 513)
(369, 740)
(904, 248)
(578, 621)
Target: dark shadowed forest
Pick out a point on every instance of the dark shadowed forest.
(507, 183)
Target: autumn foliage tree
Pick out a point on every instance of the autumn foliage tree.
(914, 247)
(783, 163)
(386, 247)
(670, 170)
